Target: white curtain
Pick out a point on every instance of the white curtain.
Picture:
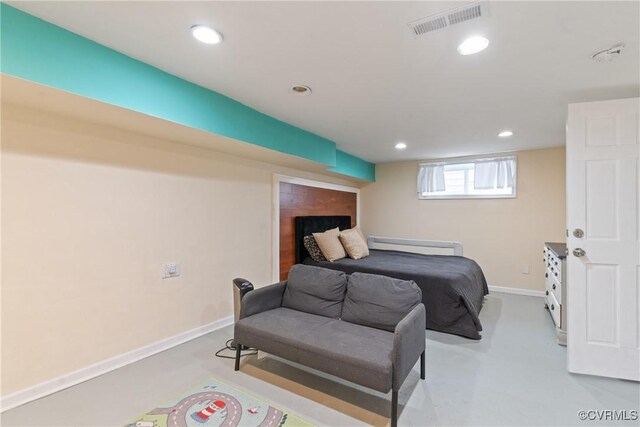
(430, 178)
(495, 173)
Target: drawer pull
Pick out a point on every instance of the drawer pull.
(556, 274)
(552, 307)
(546, 292)
(546, 275)
(554, 287)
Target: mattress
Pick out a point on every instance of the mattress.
(453, 287)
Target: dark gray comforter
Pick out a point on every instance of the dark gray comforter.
(453, 287)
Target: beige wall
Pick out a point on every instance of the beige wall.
(90, 215)
(502, 235)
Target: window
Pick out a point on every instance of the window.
(480, 177)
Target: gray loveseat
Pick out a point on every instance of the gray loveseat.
(364, 328)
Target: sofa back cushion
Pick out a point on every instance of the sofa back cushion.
(315, 290)
(378, 301)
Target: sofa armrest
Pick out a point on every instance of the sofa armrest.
(262, 299)
(409, 342)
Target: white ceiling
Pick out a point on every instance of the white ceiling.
(375, 84)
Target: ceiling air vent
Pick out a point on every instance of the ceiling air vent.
(450, 17)
(423, 27)
(465, 14)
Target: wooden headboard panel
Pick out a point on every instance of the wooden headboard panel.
(301, 200)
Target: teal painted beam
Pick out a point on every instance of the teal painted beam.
(39, 51)
(347, 164)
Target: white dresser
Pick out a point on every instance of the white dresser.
(555, 255)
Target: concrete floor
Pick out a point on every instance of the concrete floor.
(516, 375)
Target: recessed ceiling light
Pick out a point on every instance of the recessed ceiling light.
(206, 34)
(505, 133)
(301, 90)
(401, 146)
(473, 45)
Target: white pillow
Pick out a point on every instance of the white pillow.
(329, 244)
(354, 243)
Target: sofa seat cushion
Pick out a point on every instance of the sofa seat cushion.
(282, 325)
(353, 352)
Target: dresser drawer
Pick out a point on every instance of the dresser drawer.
(547, 292)
(554, 309)
(557, 268)
(551, 288)
(556, 289)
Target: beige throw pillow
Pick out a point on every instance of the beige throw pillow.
(354, 243)
(329, 244)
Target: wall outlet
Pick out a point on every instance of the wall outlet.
(525, 268)
(171, 269)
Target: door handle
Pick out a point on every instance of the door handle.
(579, 252)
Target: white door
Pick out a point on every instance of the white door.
(603, 330)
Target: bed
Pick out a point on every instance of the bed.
(453, 287)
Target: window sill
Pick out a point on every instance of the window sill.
(468, 196)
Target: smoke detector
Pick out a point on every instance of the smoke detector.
(608, 55)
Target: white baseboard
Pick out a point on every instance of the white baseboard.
(64, 381)
(517, 291)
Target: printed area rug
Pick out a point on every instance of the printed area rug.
(217, 404)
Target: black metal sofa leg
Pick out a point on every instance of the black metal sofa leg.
(422, 363)
(238, 352)
(394, 409)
